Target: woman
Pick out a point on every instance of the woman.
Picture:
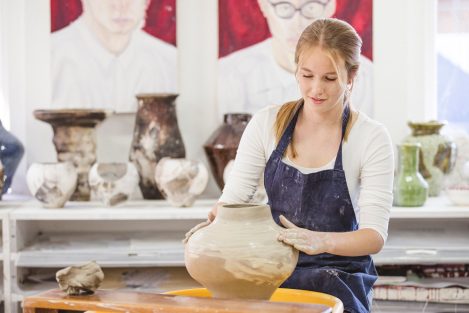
(328, 170)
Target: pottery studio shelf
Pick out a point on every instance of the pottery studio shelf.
(434, 208)
(109, 249)
(433, 234)
(131, 210)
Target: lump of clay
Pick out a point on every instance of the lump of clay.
(181, 180)
(79, 280)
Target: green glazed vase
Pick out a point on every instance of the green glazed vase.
(410, 188)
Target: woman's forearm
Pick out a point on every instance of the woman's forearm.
(360, 242)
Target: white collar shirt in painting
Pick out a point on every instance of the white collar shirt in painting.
(86, 75)
(250, 79)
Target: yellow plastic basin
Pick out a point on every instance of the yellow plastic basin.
(280, 295)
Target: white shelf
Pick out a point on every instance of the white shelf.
(131, 210)
(107, 249)
(390, 256)
(435, 207)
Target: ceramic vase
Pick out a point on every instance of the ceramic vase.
(11, 152)
(156, 136)
(238, 254)
(438, 153)
(410, 188)
(112, 183)
(75, 141)
(221, 147)
(181, 180)
(52, 183)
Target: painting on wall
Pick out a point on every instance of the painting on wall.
(257, 40)
(104, 52)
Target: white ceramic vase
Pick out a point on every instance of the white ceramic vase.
(181, 180)
(238, 254)
(112, 183)
(52, 183)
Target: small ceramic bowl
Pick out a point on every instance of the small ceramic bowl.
(458, 196)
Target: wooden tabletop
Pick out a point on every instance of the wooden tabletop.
(131, 301)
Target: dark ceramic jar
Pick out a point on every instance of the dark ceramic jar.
(221, 147)
(156, 135)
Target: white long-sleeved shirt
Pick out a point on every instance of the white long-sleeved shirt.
(367, 157)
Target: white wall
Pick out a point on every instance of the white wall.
(404, 63)
(404, 75)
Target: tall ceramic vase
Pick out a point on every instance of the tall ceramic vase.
(11, 152)
(238, 254)
(156, 136)
(438, 153)
(410, 188)
(221, 147)
(75, 141)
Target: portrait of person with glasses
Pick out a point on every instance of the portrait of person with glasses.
(263, 74)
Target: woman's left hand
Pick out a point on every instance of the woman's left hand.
(307, 241)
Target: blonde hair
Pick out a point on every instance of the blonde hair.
(340, 40)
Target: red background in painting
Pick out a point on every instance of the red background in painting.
(160, 22)
(242, 24)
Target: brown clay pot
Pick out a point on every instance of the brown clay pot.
(238, 254)
(75, 141)
(221, 147)
(156, 136)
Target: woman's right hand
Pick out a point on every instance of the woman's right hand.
(210, 218)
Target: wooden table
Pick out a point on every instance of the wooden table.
(128, 301)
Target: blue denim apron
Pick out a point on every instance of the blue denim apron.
(320, 202)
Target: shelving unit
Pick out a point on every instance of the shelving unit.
(145, 238)
(137, 234)
(434, 234)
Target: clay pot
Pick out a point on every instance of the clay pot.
(112, 183)
(156, 136)
(181, 180)
(221, 147)
(238, 254)
(438, 153)
(75, 141)
(52, 183)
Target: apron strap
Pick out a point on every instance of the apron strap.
(345, 118)
(288, 133)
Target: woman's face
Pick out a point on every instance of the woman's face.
(321, 86)
(117, 16)
(297, 14)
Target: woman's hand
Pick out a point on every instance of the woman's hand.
(307, 241)
(194, 229)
